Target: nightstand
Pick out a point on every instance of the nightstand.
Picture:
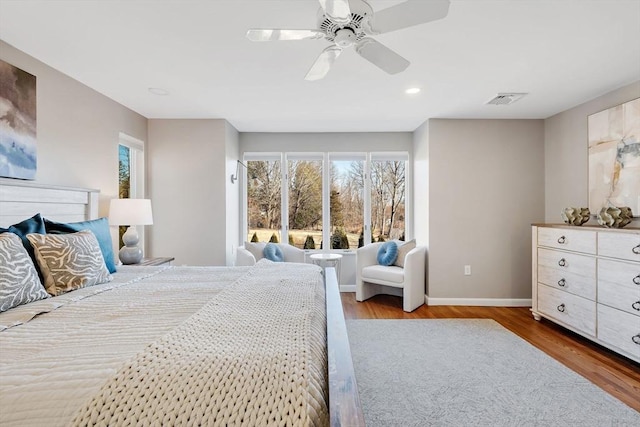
(154, 261)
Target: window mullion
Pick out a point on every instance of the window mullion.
(367, 199)
(326, 211)
(284, 198)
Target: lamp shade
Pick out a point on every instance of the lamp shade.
(130, 212)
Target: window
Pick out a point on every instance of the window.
(388, 199)
(264, 200)
(347, 200)
(304, 176)
(130, 173)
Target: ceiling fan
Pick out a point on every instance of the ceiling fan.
(348, 23)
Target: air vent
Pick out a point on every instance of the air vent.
(505, 98)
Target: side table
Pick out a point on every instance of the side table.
(327, 260)
(146, 262)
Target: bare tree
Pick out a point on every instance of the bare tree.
(264, 194)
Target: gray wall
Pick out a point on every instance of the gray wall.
(319, 142)
(78, 129)
(486, 186)
(566, 155)
(188, 173)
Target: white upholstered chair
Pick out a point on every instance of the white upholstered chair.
(251, 253)
(408, 281)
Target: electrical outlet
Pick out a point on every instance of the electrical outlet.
(467, 270)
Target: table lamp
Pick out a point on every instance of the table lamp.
(130, 212)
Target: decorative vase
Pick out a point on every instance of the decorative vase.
(614, 217)
(575, 216)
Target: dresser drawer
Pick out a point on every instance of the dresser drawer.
(575, 311)
(567, 262)
(570, 282)
(619, 285)
(571, 240)
(619, 245)
(619, 329)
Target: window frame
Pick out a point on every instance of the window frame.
(327, 157)
(136, 172)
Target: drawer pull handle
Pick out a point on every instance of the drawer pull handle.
(562, 240)
(562, 283)
(636, 339)
(636, 279)
(562, 262)
(636, 250)
(561, 308)
(636, 305)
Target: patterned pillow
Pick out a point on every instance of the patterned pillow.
(69, 261)
(403, 249)
(19, 283)
(35, 224)
(99, 227)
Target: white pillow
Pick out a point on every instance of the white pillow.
(403, 249)
(256, 249)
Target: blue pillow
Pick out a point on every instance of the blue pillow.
(35, 224)
(99, 227)
(272, 252)
(388, 253)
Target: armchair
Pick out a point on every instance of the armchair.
(251, 253)
(373, 279)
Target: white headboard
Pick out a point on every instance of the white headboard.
(20, 200)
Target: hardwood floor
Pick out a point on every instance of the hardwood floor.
(615, 374)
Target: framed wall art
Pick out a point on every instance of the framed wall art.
(18, 155)
(614, 157)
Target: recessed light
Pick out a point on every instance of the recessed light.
(412, 90)
(158, 91)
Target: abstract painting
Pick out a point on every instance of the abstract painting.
(614, 157)
(18, 155)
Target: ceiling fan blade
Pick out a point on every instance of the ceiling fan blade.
(381, 56)
(337, 10)
(408, 14)
(323, 64)
(265, 35)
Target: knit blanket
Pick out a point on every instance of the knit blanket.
(253, 355)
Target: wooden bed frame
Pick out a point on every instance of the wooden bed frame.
(20, 200)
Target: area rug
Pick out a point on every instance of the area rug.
(453, 372)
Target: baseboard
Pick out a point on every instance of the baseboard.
(347, 288)
(481, 302)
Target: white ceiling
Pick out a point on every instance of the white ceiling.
(562, 52)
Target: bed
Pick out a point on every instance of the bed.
(261, 345)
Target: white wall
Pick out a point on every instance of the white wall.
(78, 130)
(566, 153)
(187, 172)
(333, 142)
(486, 187)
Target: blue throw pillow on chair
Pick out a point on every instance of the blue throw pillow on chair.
(388, 253)
(272, 252)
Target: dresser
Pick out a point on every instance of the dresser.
(587, 279)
